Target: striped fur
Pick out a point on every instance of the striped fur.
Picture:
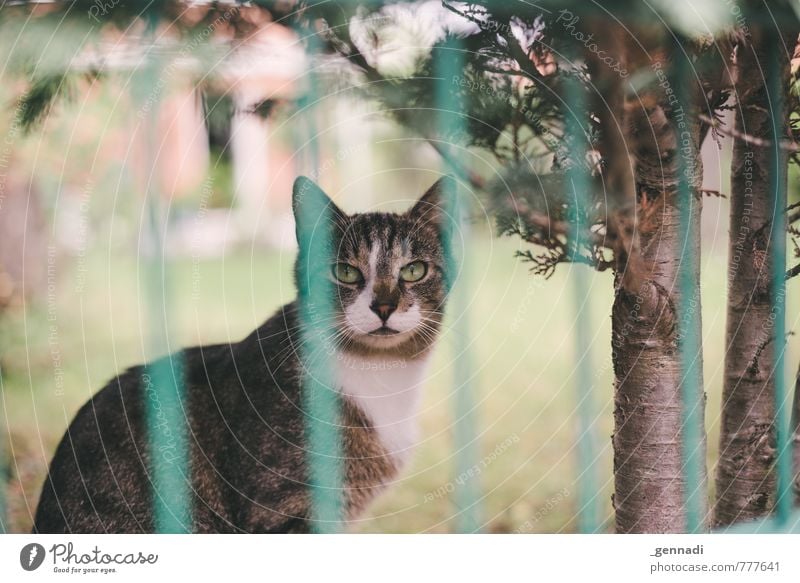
(244, 401)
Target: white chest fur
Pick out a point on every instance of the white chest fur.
(388, 392)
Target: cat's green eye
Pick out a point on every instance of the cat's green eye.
(347, 273)
(414, 271)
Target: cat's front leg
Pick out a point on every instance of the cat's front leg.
(289, 515)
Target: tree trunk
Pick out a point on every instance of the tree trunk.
(745, 481)
(796, 403)
(648, 437)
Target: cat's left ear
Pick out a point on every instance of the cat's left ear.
(431, 208)
(309, 205)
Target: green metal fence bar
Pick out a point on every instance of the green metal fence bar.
(770, 525)
(162, 385)
(589, 520)
(467, 495)
(321, 401)
(783, 442)
(689, 344)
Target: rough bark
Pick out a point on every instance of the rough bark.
(648, 460)
(745, 480)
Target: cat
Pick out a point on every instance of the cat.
(387, 274)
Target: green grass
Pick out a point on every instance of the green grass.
(95, 323)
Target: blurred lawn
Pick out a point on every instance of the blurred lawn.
(95, 322)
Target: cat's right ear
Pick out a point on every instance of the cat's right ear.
(431, 208)
(311, 206)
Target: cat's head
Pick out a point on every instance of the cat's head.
(383, 276)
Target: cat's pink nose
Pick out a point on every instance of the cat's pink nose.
(383, 309)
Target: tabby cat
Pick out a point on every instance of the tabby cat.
(244, 401)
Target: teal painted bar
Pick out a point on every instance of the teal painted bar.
(166, 420)
(770, 525)
(467, 494)
(783, 439)
(691, 391)
(321, 400)
(589, 519)
(162, 385)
